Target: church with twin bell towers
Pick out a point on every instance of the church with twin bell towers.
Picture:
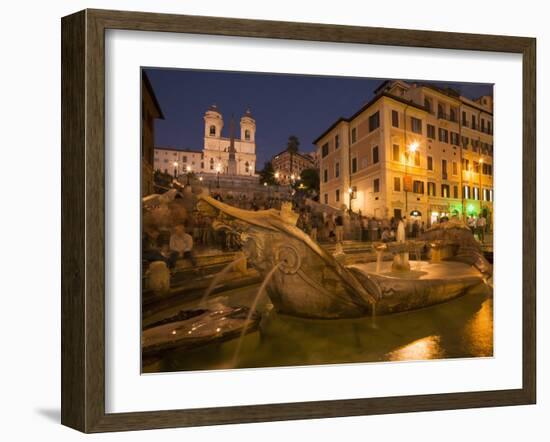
(229, 155)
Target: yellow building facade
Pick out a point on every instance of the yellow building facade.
(413, 150)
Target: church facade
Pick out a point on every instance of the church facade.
(234, 155)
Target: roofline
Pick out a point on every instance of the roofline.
(148, 85)
(365, 107)
(475, 106)
(175, 149)
(303, 155)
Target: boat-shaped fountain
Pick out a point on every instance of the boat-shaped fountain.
(307, 281)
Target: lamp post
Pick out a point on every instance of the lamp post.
(350, 192)
(175, 169)
(410, 150)
(218, 169)
(188, 172)
(480, 193)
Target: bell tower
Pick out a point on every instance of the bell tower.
(213, 122)
(248, 127)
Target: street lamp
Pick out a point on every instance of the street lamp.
(412, 148)
(175, 169)
(350, 193)
(188, 172)
(480, 193)
(218, 169)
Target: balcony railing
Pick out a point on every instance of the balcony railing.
(442, 115)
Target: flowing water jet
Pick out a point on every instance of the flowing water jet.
(252, 310)
(217, 279)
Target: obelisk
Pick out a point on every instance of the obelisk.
(232, 163)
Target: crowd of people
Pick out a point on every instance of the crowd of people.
(337, 226)
(321, 223)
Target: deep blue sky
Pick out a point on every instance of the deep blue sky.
(282, 105)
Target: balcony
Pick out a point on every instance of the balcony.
(442, 115)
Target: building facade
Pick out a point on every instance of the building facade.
(215, 156)
(414, 150)
(289, 165)
(150, 110)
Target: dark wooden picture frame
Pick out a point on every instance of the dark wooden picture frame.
(83, 220)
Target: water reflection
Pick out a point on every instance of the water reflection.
(459, 328)
(425, 348)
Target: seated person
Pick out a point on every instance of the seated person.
(182, 243)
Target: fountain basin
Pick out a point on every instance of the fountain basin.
(424, 285)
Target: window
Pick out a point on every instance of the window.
(430, 163)
(431, 131)
(445, 190)
(374, 121)
(441, 111)
(375, 155)
(416, 125)
(354, 135)
(212, 130)
(247, 134)
(336, 141)
(444, 169)
(464, 119)
(465, 142)
(324, 150)
(466, 192)
(353, 165)
(453, 114)
(394, 118)
(211, 163)
(376, 185)
(184, 159)
(473, 121)
(476, 193)
(454, 138)
(326, 198)
(246, 167)
(476, 167)
(325, 175)
(337, 170)
(455, 191)
(431, 189)
(443, 135)
(418, 186)
(397, 184)
(428, 105)
(396, 154)
(455, 168)
(417, 158)
(337, 195)
(483, 125)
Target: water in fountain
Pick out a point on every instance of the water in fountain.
(379, 254)
(252, 310)
(218, 278)
(373, 315)
(418, 256)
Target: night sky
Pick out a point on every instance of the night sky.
(282, 105)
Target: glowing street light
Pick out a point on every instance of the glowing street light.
(175, 169)
(218, 170)
(277, 175)
(188, 168)
(413, 147)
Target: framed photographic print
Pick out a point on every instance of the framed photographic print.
(266, 221)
